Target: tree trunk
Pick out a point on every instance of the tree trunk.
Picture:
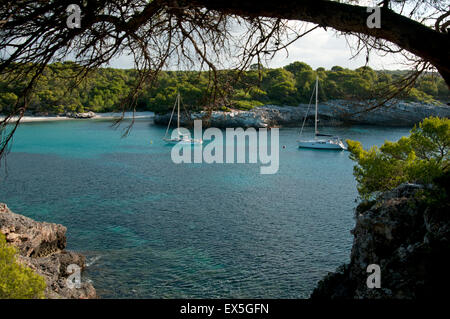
(430, 45)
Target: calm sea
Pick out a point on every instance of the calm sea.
(154, 229)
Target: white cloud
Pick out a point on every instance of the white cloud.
(326, 49)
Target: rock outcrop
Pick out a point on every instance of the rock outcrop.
(83, 115)
(41, 247)
(408, 238)
(332, 113)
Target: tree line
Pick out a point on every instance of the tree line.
(106, 89)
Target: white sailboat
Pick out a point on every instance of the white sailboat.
(180, 138)
(320, 141)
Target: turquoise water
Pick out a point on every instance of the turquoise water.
(154, 229)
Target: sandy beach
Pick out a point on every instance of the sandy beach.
(98, 116)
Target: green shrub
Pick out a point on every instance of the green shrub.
(422, 157)
(17, 281)
(245, 105)
(7, 100)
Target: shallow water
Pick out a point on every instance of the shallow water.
(153, 229)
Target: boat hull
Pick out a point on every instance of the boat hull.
(323, 145)
(183, 141)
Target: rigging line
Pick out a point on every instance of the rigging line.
(188, 118)
(307, 111)
(171, 115)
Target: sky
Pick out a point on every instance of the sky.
(326, 49)
(319, 48)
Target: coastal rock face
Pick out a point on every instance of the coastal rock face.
(41, 247)
(258, 117)
(407, 238)
(332, 113)
(85, 115)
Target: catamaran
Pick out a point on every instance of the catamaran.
(180, 138)
(325, 141)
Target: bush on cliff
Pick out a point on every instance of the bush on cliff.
(16, 280)
(422, 157)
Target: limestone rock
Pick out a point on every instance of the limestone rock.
(41, 247)
(33, 239)
(331, 113)
(407, 238)
(85, 115)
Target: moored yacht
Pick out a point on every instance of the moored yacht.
(320, 141)
(180, 138)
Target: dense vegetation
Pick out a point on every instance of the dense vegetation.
(422, 157)
(16, 280)
(105, 88)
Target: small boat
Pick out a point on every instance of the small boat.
(320, 141)
(180, 138)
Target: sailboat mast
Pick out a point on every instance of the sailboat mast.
(178, 122)
(315, 122)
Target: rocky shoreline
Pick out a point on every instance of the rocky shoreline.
(83, 115)
(332, 113)
(407, 238)
(41, 247)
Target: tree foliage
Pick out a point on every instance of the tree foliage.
(106, 88)
(17, 281)
(421, 157)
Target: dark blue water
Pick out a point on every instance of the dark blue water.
(153, 229)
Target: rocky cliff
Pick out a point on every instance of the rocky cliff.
(41, 247)
(332, 113)
(407, 237)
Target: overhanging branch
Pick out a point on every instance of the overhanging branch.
(410, 35)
